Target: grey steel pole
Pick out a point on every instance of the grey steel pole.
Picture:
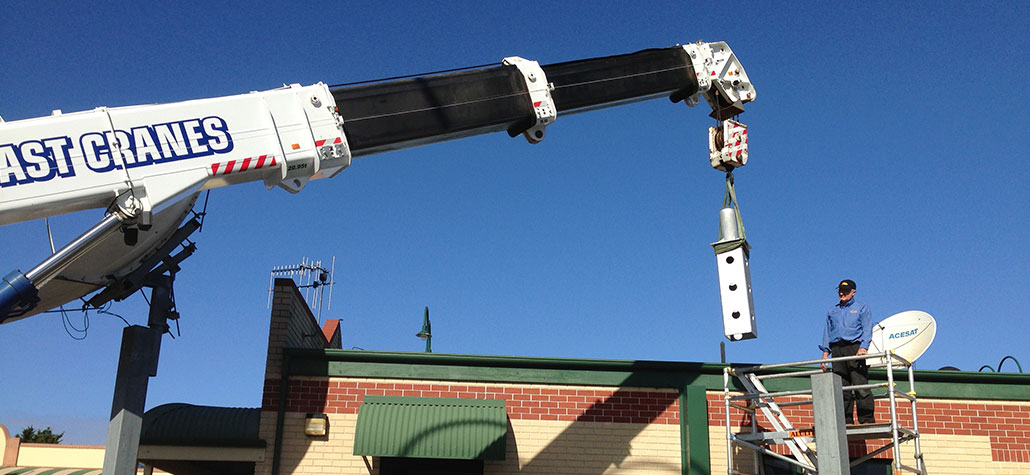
(831, 440)
(130, 397)
(137, 362)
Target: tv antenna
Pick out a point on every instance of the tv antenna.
(312, 278)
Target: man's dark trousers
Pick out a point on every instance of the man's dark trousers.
(853, 373)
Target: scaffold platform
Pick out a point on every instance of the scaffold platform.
(800, 441)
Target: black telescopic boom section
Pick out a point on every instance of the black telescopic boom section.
(408, 112)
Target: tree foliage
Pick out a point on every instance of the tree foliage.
(44, 436)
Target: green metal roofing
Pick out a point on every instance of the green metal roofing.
(422, 427)
(191, 425)
(47, 471)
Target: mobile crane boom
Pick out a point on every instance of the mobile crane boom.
(140, 161)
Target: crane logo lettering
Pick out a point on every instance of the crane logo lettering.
(43, 159)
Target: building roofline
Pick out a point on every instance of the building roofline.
(604, 372)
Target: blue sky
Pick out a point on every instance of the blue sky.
(888, 145)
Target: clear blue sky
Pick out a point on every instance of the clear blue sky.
(888, 145)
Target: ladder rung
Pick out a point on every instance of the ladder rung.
(908, 431)
(910, 469)
(789, 375)
(864, 386)
(794, 403)
(738, 406)
(800, 392)
(904, 395)
(763, 450)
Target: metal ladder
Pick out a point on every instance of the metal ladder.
(760, 400)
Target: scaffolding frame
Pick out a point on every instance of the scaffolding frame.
(759, 400)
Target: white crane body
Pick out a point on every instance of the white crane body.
(139, 161)
(83, 160)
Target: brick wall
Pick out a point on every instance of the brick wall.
(546, 403)
(292, 325)
(536, 446)
(1007, 425)
(302, 454)
(553, 429)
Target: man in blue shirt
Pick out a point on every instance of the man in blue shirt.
(848, 332)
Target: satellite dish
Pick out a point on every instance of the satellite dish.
(110, 260)
(908, 333)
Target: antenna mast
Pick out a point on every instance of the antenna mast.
(312, 278)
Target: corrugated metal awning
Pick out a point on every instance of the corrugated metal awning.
(179, 424)
(423, 427)
(47, 471)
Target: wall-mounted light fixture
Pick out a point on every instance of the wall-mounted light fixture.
(316, 424)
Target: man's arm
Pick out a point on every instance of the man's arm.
(825, 346)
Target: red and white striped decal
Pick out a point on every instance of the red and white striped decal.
(740, 134)
(319, 143)
(236, 166)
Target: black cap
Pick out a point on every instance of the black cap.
(846, 286)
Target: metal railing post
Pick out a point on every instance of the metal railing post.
(915, 420)
(893, 411)
(729, 431)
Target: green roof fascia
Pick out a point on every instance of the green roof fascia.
(619, 373)
(503, 369)
(443, 428)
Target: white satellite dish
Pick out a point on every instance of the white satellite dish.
(908, 334)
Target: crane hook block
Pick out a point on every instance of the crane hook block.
(727, 145)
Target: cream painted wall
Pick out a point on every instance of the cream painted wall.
(61, 456)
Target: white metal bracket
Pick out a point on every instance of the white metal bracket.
(716, 65)
(337, 149)
(701, 58)
(310, 133)
(132, 206)
(539, 94)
